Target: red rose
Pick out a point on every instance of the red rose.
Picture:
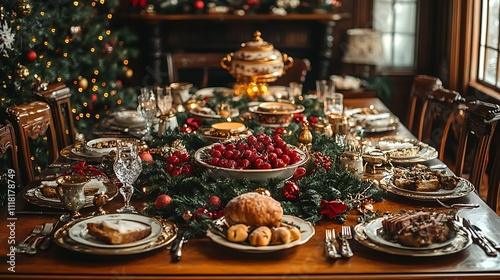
(332, 208)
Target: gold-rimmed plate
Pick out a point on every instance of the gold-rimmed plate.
(374, 231)
(461, 242)
(169, 231)
(396, 146)
(463, 188)
(79, 231)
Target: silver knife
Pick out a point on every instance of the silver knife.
(483, 243)
(481, 235)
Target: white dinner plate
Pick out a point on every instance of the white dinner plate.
(129, 117)
(169, 232)
(461, 242)
(79, 232)
(463, 188)
(375, 232)
(306, 232)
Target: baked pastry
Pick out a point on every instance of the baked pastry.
(281, 235)
(254, 210)
(118, 231)
(260, 236)
(237, 233)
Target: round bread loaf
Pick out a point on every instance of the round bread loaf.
(254, 210)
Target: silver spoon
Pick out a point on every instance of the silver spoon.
(44, 245)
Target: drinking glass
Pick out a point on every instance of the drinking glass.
(294, 91)
(324, 87)
(334, 104)
(164, 99)
(127, 168)
(147, 107)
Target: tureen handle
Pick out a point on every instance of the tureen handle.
(225, 63)
(288, 62)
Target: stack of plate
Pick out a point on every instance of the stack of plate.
(371, 235)
(74, 235)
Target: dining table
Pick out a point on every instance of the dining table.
(204, 259)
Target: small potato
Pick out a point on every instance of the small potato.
(237, 233)
(281, 235)
(295, 232)
(261, 236)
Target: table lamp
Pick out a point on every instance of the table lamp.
(364, 46)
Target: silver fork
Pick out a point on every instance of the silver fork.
(345, 249)
(457, 205)
(23, 247)
(47, 228)
(330, 249)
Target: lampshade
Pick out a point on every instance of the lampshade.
(364, 46)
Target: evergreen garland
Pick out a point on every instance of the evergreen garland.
(190, 193)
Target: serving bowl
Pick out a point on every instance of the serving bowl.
(276, 114)
(251, 174)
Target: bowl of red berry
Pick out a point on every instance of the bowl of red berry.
(256, 158)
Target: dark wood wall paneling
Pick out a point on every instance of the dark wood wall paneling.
(301, 39)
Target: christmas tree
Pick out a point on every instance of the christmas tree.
(72, 42)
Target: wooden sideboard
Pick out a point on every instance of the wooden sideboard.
(298, 35)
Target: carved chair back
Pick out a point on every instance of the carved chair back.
(480, 120)
(442, 111)
(33, 122)
(8, 149)
(58, 96)
(198, 65)
(421, 87)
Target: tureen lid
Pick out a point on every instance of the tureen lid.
(257, 44)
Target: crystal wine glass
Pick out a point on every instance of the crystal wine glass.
(147, 107)
(127, 168)
(164, 99)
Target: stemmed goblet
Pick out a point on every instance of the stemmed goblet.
(147, 107)
(127, 167)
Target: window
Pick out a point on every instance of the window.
(488, 60)
(397, 21)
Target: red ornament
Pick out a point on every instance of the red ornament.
(199, 4)
(31, 56)
(332, 208)
(94, 98)
(299, 173)
(291, 190)
(215, 201)
(201, 213)
(146, 156)
(162, 201)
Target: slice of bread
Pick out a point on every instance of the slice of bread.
(117, 232)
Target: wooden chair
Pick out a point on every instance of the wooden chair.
(494, 181)
(58, 96)
(297, 73)
(33, 122)
(440, 111)
(195, 67)
(480, 120)
(8, 148)
(422, 86)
